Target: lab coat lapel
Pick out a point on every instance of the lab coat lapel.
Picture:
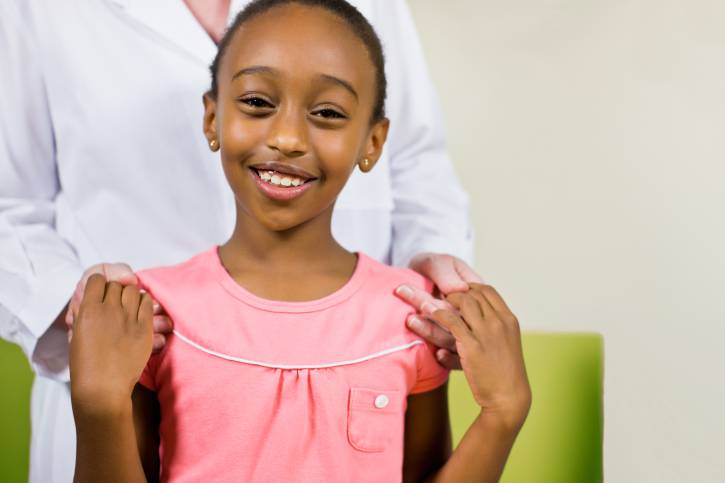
(173, 22)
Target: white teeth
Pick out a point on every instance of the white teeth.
(274, 178)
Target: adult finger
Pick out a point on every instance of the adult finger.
(158, 309)
(466, 273)
(432, 332)
(421, 300)
(119, 272)
(113, 293)
(448, 359)
(95, 288)
(163, 324)
(159, 341)
(441, 270)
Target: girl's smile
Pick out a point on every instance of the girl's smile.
(281, 182)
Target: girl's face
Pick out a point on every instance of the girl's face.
(296, 90)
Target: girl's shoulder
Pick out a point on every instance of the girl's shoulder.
(179, 286)
(388, 277)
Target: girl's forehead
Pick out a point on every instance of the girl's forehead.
(299, 38)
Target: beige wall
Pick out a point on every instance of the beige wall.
(591, 137)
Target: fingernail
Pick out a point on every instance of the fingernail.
(404, 290)
(156, 307)
(428, 308)
(414, 322)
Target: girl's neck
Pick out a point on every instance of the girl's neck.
(302, 263)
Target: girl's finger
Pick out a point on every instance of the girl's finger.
(453, 324)
(162, 324)
(448, 359)
(493, 298)
(113, 293)
(466, 273)
(95, 288)
(470, 309)
(130, 298)
(146, 311)
(432, 332)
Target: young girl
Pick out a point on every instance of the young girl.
(290, 359)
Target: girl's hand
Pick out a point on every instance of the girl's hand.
(122, 273)
(449, 274)
(488, 342)
(111, 345)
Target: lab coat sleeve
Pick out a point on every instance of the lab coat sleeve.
(38, 269)
(430, 208)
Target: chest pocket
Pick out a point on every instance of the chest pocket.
(373, 418)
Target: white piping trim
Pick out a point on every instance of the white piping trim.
(297, 366)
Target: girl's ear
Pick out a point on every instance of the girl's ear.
(374, 146)
(210, 121)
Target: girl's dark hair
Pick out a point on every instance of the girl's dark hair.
(357, 22)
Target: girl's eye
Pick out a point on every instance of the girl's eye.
(256, 102)
(328, 114)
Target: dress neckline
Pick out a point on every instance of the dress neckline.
(352, 285)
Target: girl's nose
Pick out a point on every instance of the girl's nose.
(288, 134)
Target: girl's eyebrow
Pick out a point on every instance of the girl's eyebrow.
(255, 69)
(341, 82)
(264, 69)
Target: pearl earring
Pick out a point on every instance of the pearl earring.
(213, 145)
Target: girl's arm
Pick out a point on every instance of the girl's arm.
(427, 434)
(488, 340)
(110, 347)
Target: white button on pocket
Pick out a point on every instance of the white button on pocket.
(375, 419)
(381, 401)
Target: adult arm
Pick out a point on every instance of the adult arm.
(38, 268)
(430, 208)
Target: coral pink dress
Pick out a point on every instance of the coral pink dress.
(255, 390)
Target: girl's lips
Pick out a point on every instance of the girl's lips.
(281, 193)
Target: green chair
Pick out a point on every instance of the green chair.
(15, 381)
(561, 441)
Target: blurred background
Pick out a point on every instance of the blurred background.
(590, 136)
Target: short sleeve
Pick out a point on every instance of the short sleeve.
(431, 375)
(148, 376)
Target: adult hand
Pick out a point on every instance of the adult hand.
(449, 274)
(488, 339)
(123, 274)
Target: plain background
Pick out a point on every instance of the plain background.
(591, 138)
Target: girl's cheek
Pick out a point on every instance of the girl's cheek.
(337, 150)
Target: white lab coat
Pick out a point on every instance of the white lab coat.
(102, 159)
